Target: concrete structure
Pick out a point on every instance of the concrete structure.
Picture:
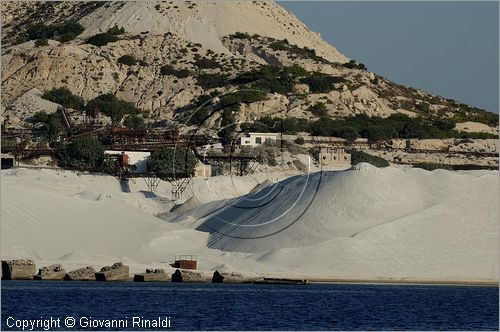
(256, 139)
(334, 157)
(18, 269)
(51, 272)
(203, 171)
(135, 158)
(83, 274)
(115, 272)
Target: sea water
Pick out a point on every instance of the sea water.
(56, 305)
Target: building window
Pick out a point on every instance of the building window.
(258, 140)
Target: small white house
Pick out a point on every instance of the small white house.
(256, 139)
(136, 158)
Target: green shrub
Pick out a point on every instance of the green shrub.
(128, 60)
(353, 64)
(209, 81)
(205, 63)
(86, 152)
(322, 83)
(63, 32)
(64, 97)
(113, 107)
(169, 162)
(102, 39)
(318, 109)
(241, 35)
(305, 53)
(51, 123)
(41, 42)
(363, 157)
(115, 30)
(166, 70)
(134, 121)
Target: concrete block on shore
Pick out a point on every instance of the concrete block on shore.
(115, 272)
(228, 277)
(83, 274)
(187, 276)
(152, 275)
(51, 272)
(18, 269)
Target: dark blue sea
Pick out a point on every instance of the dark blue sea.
(246, 307)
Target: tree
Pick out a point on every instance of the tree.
(85, 152)
(113, 107)
(51, 123)
(134, 121)
(170, 162)
(64, 97)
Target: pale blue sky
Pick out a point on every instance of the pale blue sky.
(448, 48)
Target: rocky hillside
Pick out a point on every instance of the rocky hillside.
(168, 57)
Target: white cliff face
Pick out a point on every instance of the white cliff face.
(206, 22)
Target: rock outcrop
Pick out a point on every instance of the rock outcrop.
(83, 274)
(228, 277)
(51, 272)
(115, 272)
(18, 269)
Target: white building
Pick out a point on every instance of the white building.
(136, 158)
(256, 139)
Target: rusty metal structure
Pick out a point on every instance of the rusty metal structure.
(188, 262)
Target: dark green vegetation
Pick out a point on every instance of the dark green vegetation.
(205, 63)
(86, 152)
(271, 79)
(41, 42)
(209, 81)
(50, 122)
(61, 32)
(322, 83)
(128, 60)
(107, 37)
(362, 157)
(353, 64)
(305, 53)
(64, 97)
(134, 121)
(373, 128)
(169, 162)
(318, 109)
(179, 73)
(113, 107)
(241, 35)
(434, 166)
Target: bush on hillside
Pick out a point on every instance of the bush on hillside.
(322, 83)
(62, 32)
(102, 39)
(169, 70)
(113, 107)
(209, 81)
(318, 109)
(128, 60)
(64, 97)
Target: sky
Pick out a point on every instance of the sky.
(449, 48)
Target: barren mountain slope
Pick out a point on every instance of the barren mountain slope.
(214, 42)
